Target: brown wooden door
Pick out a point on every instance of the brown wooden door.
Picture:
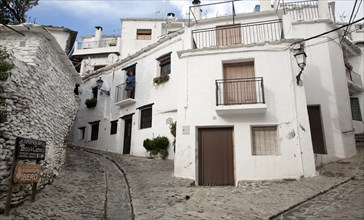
(228, 35)
(215, 156)
(243, 89)
(127, 135)
(317, 135)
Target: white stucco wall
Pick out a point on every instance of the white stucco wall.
(163, 96)
(61, 37)
(197, 109)
(325, 75)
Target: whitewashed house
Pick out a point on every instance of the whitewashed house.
(95, 52)
(244, 109)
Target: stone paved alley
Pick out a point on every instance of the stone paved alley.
(101, 185)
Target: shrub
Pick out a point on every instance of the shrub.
(5, 68)
(90, 103)
(158, 145)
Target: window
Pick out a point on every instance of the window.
(165, 64)
(144, 34)
(265, 140)
(82, 132)
(228, 35)
(146, 117)
(95, 91)
(355, 109)
(94, 130)
(114, 127)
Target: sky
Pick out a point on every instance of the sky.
(83, 15)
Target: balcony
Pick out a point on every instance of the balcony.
(240, 96)
(302, 10)
(95, 47)
(238, 34)
(355, 82)
(121, 96)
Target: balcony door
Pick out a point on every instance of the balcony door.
(239, 83)
(228, 35)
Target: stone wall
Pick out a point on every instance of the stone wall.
(40, 105)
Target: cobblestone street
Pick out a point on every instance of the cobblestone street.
(101, 185)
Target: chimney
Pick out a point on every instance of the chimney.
(170, 17)
(265, 5)
(196, 9)
(98, 33)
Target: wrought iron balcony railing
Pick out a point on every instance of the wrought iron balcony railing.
(238, 34)
(121, 94)
(354, 77)
(240, 91)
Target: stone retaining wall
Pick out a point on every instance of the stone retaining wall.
(40, 105)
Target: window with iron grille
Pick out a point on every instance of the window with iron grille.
(165, 64)
(82, 132)
(144, 34)
(355, 109)
(114, 127)
(146, 117)
(265, 140)
(94, 130)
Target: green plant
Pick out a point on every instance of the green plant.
(160, 79)
(5, 68)
(172, 128)
(90, 103)
(158, 145)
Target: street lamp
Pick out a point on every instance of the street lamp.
(300, 57)
(99, 83)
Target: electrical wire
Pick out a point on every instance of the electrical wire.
(330, 39)
(351, 17)
(357, 9)
(327, 32)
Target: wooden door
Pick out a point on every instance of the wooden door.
(317, 134)
(239, 83)
(228, 35)
(215, 156)
(127, 135)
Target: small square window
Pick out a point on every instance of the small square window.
(265, 140)
(114, 127)
(82, 132)
(144, 34)
(146, 118)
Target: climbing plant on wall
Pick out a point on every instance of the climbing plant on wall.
(5, 67)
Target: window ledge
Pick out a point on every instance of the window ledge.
(241, 109)
(125, 102)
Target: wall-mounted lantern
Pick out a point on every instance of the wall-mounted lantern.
(300, 57)
(99, 83)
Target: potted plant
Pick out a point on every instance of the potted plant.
(160, 79)
(90, 103)
(157, 146)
